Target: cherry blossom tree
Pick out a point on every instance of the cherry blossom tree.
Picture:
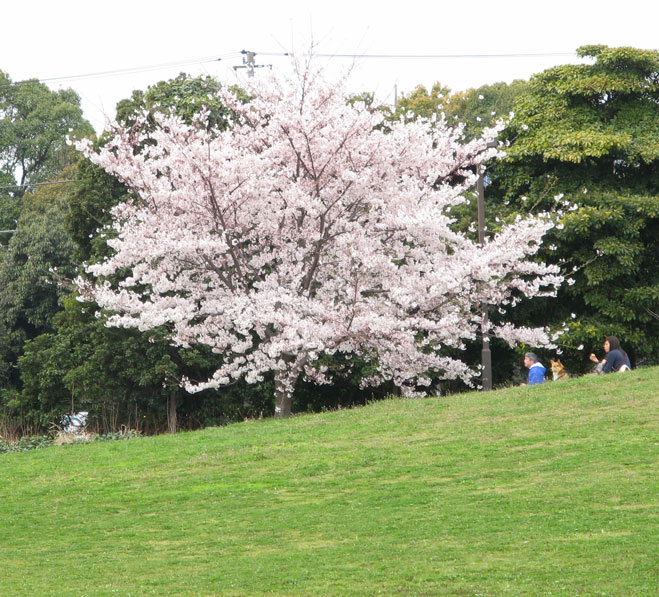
(309, 227)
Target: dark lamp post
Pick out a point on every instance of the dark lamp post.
(486, 354)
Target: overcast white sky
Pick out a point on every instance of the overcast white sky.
(72, 38)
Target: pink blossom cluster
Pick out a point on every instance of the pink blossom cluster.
(309, 227)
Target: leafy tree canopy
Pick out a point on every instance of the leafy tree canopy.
(184, 95)
(38, 257)
(421, 102)
(590, 134)
(476, 109)
(34, 125)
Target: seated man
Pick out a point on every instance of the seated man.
(535, 367)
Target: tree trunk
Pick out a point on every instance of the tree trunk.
(284, 385)
(172, 403)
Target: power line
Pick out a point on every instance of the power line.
(138, 69)
(34, 184)
(430, 56)
(128, 71)
(216, 58)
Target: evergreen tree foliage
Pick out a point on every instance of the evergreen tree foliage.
(34, 125)
(39, 256)
(589, 134)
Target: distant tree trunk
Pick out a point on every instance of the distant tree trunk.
(172, 403)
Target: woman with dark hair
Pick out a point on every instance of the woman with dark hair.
(616, 358)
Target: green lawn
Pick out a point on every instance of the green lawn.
(546, 490)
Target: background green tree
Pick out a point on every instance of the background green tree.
(186, 96)
(34, 125)
(484, 106)
(122, 377)
(39, 256)
(421, 102)
(590, 133)
(476, 108)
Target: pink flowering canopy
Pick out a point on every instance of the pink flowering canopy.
(308, 228)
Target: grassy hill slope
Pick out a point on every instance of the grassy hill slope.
(549, 490)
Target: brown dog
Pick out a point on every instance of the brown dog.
(558, 370)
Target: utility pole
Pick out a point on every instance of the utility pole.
(486, 354)
(249, 64)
